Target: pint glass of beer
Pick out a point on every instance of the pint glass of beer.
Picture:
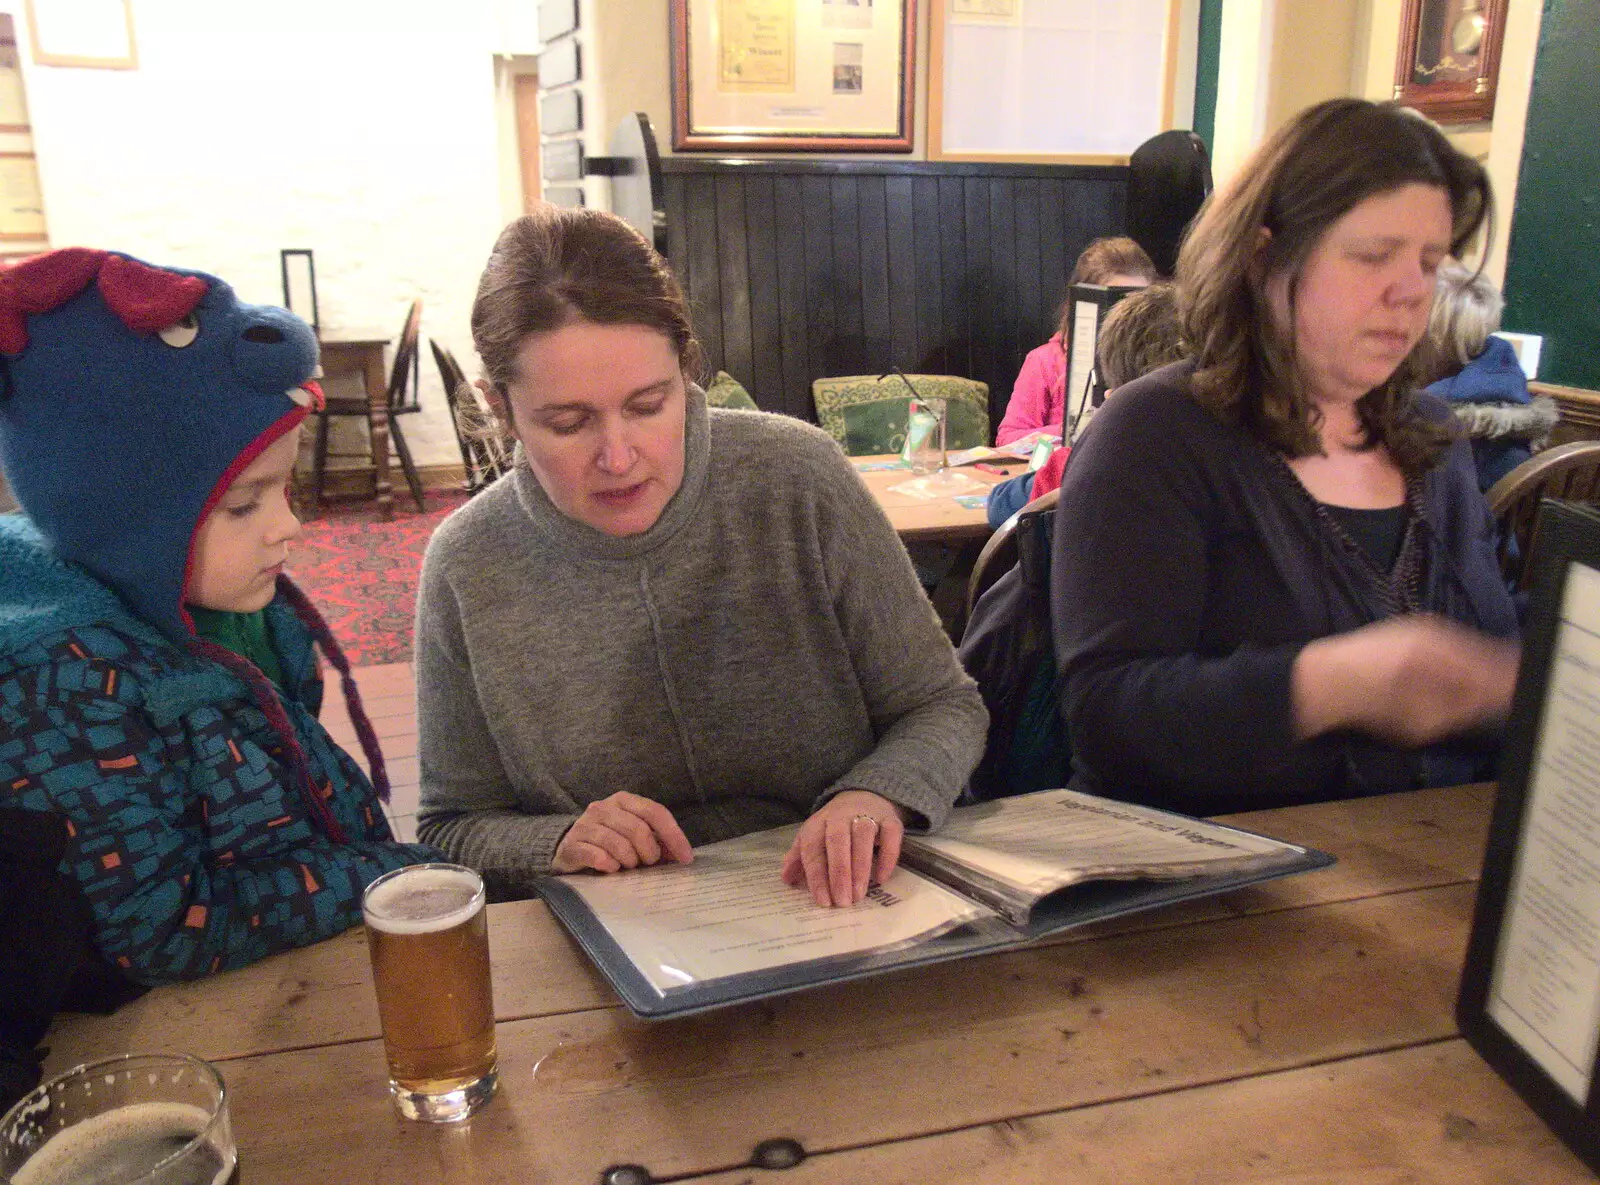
(142, 1119)
(429, 938)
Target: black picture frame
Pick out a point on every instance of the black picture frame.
(299, 271)
(1085, 389)
(1566, 536)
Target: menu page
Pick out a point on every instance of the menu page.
(1013, 851)
(1085, 336)
(729, 913)
(1545, 991)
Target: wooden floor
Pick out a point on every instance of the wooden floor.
(389, 694)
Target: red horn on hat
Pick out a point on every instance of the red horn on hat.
(40, 284)
(147, 298)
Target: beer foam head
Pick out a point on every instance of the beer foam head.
(119, 1145)
(422, 899)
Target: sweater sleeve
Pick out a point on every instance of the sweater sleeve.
(1151, 714)
(1031, 397)
(469, 808)
(1008, 497)
(926, 712)
(181, 882)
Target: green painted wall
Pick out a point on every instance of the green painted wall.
(1208, 52)
(1553, 263)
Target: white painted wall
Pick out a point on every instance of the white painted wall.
(362, 129)
(1244, 77)
(1280, 55)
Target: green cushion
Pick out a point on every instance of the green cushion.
(880, 426)
(725, 391)
(867, 415)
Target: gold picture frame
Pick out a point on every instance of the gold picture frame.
(1449, 61)
(793, 75)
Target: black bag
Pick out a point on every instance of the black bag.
(1169, 178)
(1008, 648)
(46, 959)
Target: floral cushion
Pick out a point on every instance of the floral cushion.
(726, 391)
(868, 415)
(879, 426)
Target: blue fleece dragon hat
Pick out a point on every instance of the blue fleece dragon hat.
(131, 396)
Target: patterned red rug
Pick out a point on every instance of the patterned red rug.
(362, 573)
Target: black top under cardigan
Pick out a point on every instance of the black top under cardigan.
(1190, 568)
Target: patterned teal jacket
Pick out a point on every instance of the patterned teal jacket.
(212, 821)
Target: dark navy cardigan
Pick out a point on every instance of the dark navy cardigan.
(1188, 571)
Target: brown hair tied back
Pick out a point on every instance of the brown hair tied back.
(1101, 260)
(1112, 256)
(556, 266)
(1310, 173)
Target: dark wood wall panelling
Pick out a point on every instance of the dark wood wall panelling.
(799, 270)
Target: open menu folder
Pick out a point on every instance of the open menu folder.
(681, 938)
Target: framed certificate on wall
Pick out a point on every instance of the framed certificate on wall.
(1530, 991)
(793, 75)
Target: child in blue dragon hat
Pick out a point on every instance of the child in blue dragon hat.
(158, 682)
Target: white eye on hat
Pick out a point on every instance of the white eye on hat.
(181, 333)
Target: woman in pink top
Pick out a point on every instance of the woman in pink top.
(1038, 399)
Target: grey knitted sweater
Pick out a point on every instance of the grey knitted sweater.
(764, 645)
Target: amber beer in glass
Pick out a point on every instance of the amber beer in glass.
(429, 937)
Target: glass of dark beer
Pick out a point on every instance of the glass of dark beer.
(429, 938)
(141, 1119)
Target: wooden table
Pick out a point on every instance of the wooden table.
(1299, 1031)
(355, 352)
(942, 520)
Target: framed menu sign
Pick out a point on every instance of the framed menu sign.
(1530, 992)
(793, 75)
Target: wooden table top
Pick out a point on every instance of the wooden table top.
(938, 519)
(1297, 1031)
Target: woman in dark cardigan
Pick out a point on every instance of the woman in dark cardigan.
(1274, 578)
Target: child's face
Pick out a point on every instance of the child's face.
(241, 547)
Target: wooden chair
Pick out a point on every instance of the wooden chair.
(404, 377)
(1568, 471)
(1000, 551)
(485, 452)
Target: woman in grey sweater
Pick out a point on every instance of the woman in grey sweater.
(668, 625)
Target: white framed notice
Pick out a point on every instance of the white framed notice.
(1049, 81)
(97, 34)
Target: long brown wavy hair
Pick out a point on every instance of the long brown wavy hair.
(1310, 173)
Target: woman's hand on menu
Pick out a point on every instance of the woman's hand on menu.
(622, 831)
(851, 842)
